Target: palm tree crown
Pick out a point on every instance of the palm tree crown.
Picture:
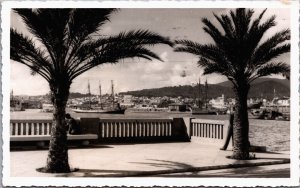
(238, 51)
(240, 54)
(70, 43)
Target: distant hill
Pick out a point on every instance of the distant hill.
(263, 87)
(260, 80)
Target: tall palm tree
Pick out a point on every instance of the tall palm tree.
(65, 44)
(239, 53)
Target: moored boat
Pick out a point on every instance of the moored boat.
(113, 108)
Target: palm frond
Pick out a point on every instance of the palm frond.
(271, 48)
(84, 22)
(49, 27)
(271, 68)
(23, 50)
(112, 49)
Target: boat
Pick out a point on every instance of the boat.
(206, 109)
(113, 108)
(47, 108)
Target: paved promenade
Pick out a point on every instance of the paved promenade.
(158, 159)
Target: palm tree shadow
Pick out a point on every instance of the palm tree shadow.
(168, 165)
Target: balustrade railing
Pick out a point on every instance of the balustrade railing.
(30, 127)
(209, 130)
(118, 128)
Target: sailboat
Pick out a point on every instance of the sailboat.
(200, 110)
(111, 108)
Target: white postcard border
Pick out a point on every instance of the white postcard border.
(294, 149)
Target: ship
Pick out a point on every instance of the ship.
(102, 108)
(203, 108)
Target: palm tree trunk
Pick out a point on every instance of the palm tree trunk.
(241, 124)
(57, 161)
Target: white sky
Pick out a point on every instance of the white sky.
(134, 74)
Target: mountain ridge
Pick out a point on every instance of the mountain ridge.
(263, 87)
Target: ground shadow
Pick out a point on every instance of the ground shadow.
(170, 166)
(35, 148)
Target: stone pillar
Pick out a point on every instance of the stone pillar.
(181, 129)
(90, 126)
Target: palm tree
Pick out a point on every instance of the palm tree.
(239, 53)
(65, 44)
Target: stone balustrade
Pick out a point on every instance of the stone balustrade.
(209, 131)
(176, 129)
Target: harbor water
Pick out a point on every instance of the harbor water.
(273, 134)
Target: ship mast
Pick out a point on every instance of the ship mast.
(112, 92)
(100, 94)
(199, 101)
(89, 94)
(206, 91)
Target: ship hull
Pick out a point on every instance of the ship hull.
(121, 111)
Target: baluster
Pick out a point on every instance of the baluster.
(16, 129)
(222, 131)
(22, 129)
(104, 129)
(117, 125)
(147, 130)
(170, 129)
(128, 128)
(112, 128)
(11, 128)
(161, 129)
(151, 128)
(125, 129)
(38, 128)
(121, 129)
(167, 129)
(135, 129)
(140, 129)
(43, 129)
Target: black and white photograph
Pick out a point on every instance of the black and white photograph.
(143, 93)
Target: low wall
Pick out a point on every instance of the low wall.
(123, 130)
